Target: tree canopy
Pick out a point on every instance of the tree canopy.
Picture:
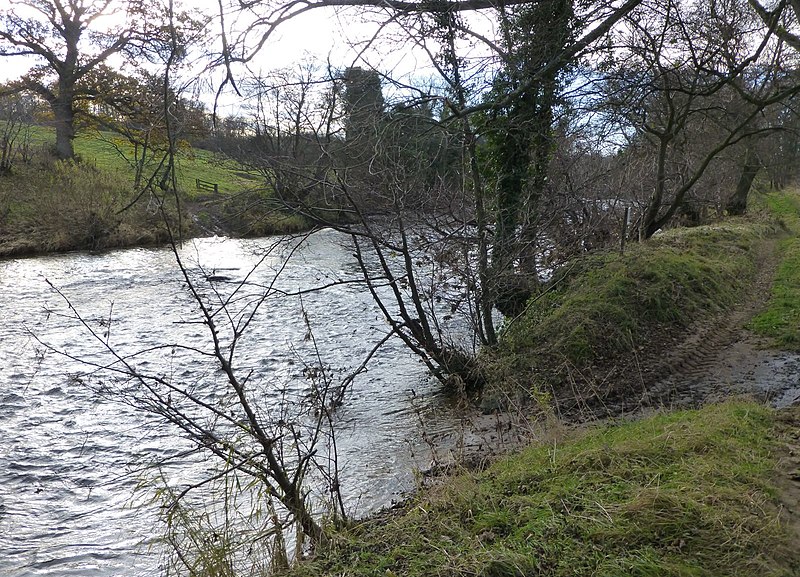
(68, 40)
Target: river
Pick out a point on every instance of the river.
(70, 458)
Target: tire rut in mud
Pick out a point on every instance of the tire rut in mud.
(720, 357)
(715, 358)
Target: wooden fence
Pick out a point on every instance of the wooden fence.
(207, 186)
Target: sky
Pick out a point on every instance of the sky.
(318, 34)
(322, 34)
(339, 36)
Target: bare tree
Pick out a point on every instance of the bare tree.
(390, 199)
(264, 450)
(275, 445)
(405, 224)
(685, 92)
(17, 112)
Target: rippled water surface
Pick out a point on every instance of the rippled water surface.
(70, 458)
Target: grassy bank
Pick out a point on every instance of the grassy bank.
(781, 319)
(681, 494)
(53, 206)
(603, 314)
(689, 493)
(48, 206)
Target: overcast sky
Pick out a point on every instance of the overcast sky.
(322, 35)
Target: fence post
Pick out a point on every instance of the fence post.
(623, 237)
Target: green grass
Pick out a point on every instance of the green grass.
(107, 151)
(48, 206)
(602, 308)
(781, 319)
(681, 494)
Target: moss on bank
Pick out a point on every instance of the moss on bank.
(685, 493)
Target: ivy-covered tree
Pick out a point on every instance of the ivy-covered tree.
(519, 137)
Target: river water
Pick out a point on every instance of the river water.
(70, 458)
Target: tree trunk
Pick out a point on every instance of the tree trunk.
(65, 126)
(648, 226)
(737, 202)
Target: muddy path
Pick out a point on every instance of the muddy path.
(715, 359)
(721, 358)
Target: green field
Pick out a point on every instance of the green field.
(110, 152)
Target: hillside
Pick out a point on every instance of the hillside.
(50, 206)
(112, 153)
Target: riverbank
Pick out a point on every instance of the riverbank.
(49, 206)
(611, 327)
(619, 335)
(713, 490)
(684, 493)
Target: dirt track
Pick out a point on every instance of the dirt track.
(724, 359)
(721, 358)
(714, 359)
